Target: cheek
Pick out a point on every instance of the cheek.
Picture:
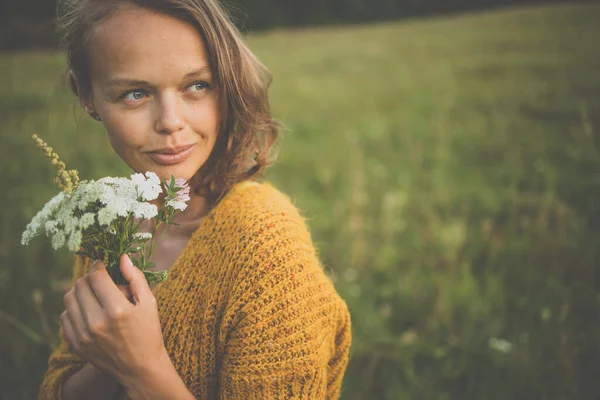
(208, 121)
(125, 142)
(124, 132)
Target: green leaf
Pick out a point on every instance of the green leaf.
(149, 264)
(155, 276)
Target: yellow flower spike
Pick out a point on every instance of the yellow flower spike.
(74, 177)
(66, 180)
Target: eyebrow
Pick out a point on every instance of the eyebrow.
(136, 82)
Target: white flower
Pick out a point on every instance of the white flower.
(58, 240)
(51, 227)
(141, 236)
(121, 205)
(86, 220)
(126, 190)
(74, 242)
(106, 216)
(86, 194)
(120, 197)
(138, 178)
(108, 194)
(148, 187)
(39, 220)
(71, 223)
(145, 210)
(177, 205)
(154, 178)
(32, 230)
(53, 205)
(121, 188)
(30, 233)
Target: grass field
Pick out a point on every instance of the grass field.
(450, 172)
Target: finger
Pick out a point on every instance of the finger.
(126, 290)
(69, 331)
(137, 281)
(110, 297)
(89, 305)
(73, 312)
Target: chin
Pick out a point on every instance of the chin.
(178, 171)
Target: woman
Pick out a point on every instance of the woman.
(247, 311)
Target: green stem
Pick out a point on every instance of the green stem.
(152, 240)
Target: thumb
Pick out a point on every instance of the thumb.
(135, 277)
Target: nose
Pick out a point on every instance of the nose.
(170, 114)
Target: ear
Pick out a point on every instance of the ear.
(82, 94)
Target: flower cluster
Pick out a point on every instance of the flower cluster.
(101, 219)
(181, 197)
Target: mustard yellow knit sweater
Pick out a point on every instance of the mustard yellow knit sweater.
(247, 311)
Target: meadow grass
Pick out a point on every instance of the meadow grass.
(449, 170)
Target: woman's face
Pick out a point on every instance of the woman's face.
(151, 85)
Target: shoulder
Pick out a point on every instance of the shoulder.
(277, 260)
(255, 199)
(253, 209)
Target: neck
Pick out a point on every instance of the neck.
(197, 208)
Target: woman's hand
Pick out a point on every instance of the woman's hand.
(104, 327)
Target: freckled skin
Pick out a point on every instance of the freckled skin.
(170, 110)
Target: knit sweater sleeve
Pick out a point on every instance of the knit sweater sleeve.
(292, 335)
(62, 362)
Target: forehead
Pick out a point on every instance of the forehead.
(141, 44)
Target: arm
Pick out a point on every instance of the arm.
(293, 336)
(159, 382)
(288, 332)
(90, 383)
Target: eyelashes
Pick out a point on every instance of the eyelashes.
(139, 94)
(205, 85)
(133, 92)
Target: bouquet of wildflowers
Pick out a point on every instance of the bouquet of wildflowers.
(101, 219)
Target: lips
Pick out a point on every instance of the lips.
(171, 155)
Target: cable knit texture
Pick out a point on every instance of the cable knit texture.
(247, 311)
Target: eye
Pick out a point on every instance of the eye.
(136, 94)
(198, 86)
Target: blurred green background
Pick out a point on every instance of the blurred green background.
(449, 168)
